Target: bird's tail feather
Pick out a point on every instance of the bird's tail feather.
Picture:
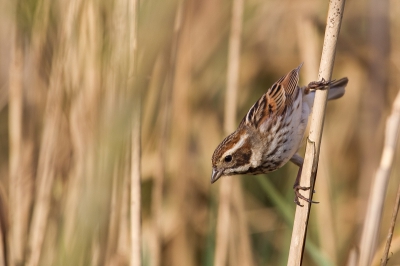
(337, 88)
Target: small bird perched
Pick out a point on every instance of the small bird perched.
(271, 132)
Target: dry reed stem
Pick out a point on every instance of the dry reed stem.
(157, 190)
(16, 251)
(384, 259)
(3, 249)
(353, 258)
(136, 239)
(135, 190)
(335, 14)
(46, 169)
(115, 210)
(81, 146)
(244, 252)
(124, 243)
(4, 243)
(46, 164)
(394, 248)
(80, 72)
(226, 184)
(223, 223)
(307, 30)
(157, 195)
(181, 248)
(52, 120)
(374, 101)
(120, 76)
(379, 186)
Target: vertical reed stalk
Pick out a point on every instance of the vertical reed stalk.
(307, 30)
(385, 259)
(157, 195)
(180, 135)
(124, 243)
(335, 14)
(4, 247)
(46, 169)
(243, 245)
(115, 214)
(225, 189)
(135, 189)
(394, 248)
(378, 188)
(136, 239)
(373, 102)
(16, 251)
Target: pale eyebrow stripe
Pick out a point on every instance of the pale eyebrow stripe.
(236, 147)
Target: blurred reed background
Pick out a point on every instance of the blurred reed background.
(69, 87)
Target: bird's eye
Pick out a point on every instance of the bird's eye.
(228, 158)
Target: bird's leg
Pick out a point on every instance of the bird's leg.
(298, 160)
(317, 85)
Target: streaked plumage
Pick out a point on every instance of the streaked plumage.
(271, 132)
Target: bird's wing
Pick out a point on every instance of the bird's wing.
(274, 102)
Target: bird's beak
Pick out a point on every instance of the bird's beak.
(215, 175)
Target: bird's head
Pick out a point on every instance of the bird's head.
(232, 156)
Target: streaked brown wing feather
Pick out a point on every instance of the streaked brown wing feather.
(275, 100)
(257, 112)
(289, 84)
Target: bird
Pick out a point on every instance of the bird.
(271, 132)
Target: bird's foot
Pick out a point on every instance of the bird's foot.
(298, 195)
(317, 85)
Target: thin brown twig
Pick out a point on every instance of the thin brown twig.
(335, 14)
(384, 259)
(394, 248)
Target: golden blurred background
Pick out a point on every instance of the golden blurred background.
(69, 90)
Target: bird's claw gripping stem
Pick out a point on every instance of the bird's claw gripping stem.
(298, 195)
(317, 85)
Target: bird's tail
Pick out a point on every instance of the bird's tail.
(337, 88)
